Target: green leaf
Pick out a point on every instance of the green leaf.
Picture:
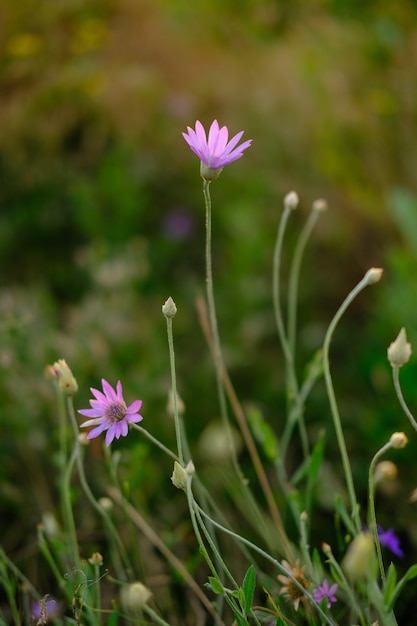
(390, 583)
(263, 433)
(341, 510)
(216, 586)
(310, 468)
(249, 588)
(409, 575)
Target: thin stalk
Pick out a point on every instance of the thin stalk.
(178, 433)
(398, 390)
(293, 281)
(368, 279)
(156, 541)
(157, 619)
(218, 358)
(97, 578)
(346, 586)
(294, 276)
(247, 436)
(371, 513)
(271, 559)
(155, 441)
(119, 551)
(202, 547)
(71, 531)
(276, 288)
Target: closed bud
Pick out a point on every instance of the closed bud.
(399, 351)
(169, 309)
(66, 381)
(359, 560)
(96, 559)
(374, 275)
(134, 597)
(179, 477)
(320, 205)
(398, 440)
(385, 470)
(291, 200)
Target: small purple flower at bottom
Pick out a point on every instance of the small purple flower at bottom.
(47, 608)
(109, 412)
(326, 591)
(390, 540)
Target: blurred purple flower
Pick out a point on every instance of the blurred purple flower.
(109, 412)
(216, 152)
(178, 225)
(326, 591)
(46, 608)
(389, 539)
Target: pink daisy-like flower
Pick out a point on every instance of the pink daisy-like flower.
(109, 412)
(216, 151)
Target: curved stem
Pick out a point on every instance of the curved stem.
(156, 541)
(368, 279)
(282, 570)
(294, 276)
(371, 513)
(276, 286)
(398, 390)
(107, 520)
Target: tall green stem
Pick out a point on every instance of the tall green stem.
(372, 276)
(178, 432)
(276, 288)
(118, 546)
(218, 358)
(371, 513)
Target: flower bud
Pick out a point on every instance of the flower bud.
(374, 275)
(179, 477)
(134, 597)
(359, 559)
(106, 504)
(96, 559)
(320, 205)
(399, 351)
(385, 470)
(291, 200)
(169, 309)
(398, 440)
(66, 381)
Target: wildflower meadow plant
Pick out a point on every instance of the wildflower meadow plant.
(265, 567)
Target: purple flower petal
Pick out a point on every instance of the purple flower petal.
(109, 412)
(215, 152)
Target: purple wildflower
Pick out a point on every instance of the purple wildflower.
(216, 151)
(45, 609)
(390, 540)
(326, 591)
(109, 412)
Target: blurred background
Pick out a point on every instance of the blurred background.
(102, 218)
